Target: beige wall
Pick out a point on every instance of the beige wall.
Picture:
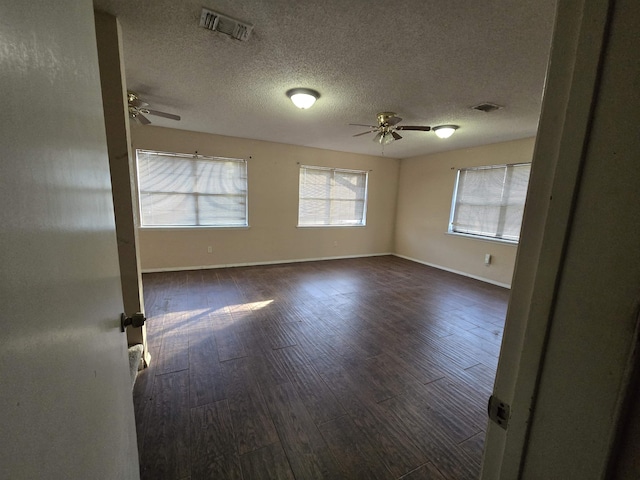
(272, 235)
(425, 191)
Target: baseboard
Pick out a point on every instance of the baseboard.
(457, 272)
(253, 264)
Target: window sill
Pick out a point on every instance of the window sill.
(483, 239)
(193, 227)
(330, 226)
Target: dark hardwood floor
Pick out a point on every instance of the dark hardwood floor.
(372, 368)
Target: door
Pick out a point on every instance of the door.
(122, 168)
(66, 407)
(571, 327)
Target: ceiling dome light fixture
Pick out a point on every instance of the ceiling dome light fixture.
(445, 131)
(303, 97)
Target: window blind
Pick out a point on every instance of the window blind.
(330, 196)
(489, 201)
(191, 190)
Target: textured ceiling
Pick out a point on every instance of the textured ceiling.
(427, 60)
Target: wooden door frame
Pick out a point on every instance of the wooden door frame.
(122, 166)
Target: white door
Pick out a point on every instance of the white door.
(66, 407)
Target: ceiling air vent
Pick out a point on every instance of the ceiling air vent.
(221, 23)
(487, 107)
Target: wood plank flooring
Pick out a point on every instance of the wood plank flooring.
(372, 368)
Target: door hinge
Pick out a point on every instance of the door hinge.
(499, 411)
(137, 320)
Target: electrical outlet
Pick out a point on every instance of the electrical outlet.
(209, 249)
(335, 243)
(487, 259)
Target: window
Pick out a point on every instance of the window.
(191, 190)
(331, 196)
(489, 201)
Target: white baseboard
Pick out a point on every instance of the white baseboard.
(253, 264)
(457, 272)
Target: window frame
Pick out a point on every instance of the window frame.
(197, 157)
(454, 204)
(365, 199)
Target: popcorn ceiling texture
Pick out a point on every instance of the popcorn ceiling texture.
(427, 60)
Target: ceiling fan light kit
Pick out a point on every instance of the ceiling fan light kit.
(445, 131)
(303, 98)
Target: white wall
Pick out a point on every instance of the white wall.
(272, 235)
(425, 191)
(66, 409)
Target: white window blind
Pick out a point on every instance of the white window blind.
(489, 201)
(191, 190)
(331, 196)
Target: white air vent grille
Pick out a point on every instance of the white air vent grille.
(221, 23)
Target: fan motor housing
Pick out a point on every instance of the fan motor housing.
(383, 117)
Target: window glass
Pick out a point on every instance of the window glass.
(332, 197)
(191, 190)
(489, 201)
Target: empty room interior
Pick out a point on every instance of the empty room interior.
(336, 322)
(350, 240)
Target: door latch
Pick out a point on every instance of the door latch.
(137, 320)
(499, 411)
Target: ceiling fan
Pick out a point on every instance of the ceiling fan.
(387, 128)
(139, 108)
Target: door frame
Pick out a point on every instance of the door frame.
(579, 50)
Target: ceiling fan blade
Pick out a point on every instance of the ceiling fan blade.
(378, 137)
(363, 125)
(136, 102)
(142, 119)
(363, 133)
(394, 120)
(414, 127)
(163, 114)
(396, 135)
